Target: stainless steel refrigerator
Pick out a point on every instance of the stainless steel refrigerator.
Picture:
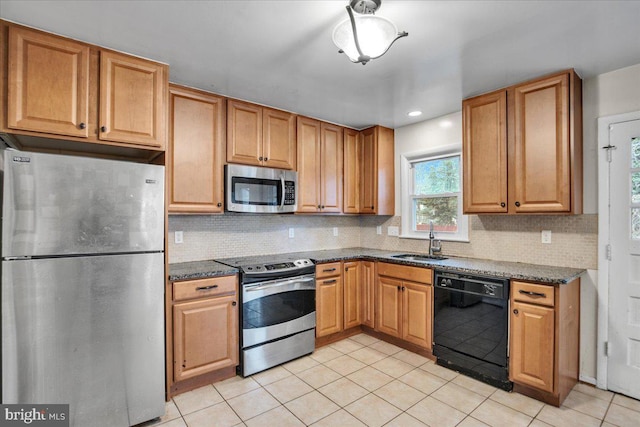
(83, 286)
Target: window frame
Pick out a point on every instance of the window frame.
(408, 195)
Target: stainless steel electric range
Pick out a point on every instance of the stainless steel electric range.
(278, 316)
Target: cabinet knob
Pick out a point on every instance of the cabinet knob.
(322, 206)
(403, 289)
(398, 287)
(503, 204)
(266, 158)
(518, 204)
(103, 128)
(234, 303)
(515, 311)
(82, 126)
(318, 206)
(219, 204)
(260, 158)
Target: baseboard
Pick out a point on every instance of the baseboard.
(588, 380)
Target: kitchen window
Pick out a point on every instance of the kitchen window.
(433, 193)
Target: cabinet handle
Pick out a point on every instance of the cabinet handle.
(103, 128)
(518, 204)
(328, 270)
(503, 204)
(403, 289)
(327, 282)
(318, 206)
(398, 287)
(260, 158)
(206, 288)
(82, 126)
(322, 206)
(515, 311)
(266, 158)
(219, 204)
(346, 269)
(234, 303)
(533, 294)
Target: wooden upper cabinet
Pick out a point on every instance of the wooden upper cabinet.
(368, 172)
(279, 139)
(48, 83)
(484, 146)
(244, 133)
(132, 100)
(331, 152)
(352, 159)
(195, 175)
(377, 188)
(541, 147)
(523, 148)
(320, 159)
(260, 136)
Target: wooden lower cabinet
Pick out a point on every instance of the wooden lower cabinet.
(368, 277)
(404, 304)
(545, 326)
(329, 308)
(352, 294)
(202, 332)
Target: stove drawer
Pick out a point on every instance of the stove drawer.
(190, 289)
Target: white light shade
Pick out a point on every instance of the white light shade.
(375, 35)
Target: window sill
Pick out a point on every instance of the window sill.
(443, 239)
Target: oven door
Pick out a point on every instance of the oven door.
(277, 308)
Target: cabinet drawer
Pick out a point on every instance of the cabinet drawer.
(533, 293)
(328, 270)
(201, 288)
(414, 274)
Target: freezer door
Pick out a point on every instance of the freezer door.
(64, 205)
(88, 332)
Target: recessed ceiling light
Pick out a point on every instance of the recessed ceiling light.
(446, 123)
(414, 113)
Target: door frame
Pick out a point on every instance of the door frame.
(604, 124)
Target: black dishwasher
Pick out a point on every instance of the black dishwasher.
(470, 325)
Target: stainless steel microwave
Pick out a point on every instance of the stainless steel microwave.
(255, 189)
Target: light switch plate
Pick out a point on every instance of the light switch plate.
(335, 231)
(292, 233)
(179, 237)
(379, 229)
(393, 231)
(545, 236)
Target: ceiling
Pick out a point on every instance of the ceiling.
(280, 53)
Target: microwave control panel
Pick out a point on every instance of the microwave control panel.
(289, 193)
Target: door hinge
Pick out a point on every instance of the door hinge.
(608, 252)
(606, 348)
(609, 149)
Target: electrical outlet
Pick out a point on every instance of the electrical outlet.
(379, 230)
(179, 237)
(393, 231)
(335, 231)
(545, 236)
(292, 233)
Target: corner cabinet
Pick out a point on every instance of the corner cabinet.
(195, 153)
(405, 299)
(320, 160)
(522, 148)
(544, 349)
(369, 171)
(260, 136)
(63, 89)
(203, 344)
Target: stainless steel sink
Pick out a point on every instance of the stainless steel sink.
(424, 258)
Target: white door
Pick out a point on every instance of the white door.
(623, 365)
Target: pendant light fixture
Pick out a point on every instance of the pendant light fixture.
(365, 36)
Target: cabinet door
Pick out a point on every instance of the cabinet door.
(532, 345)
(367, 274)
(331, 168)
(205, 336)
(308, 137)
(195, 154)
(328, 306)
(389, 316)
(416, 313)
(279, 139)
(369, 169)
(132, 100)
(484, 146)
(244, 133)
(352, 294)
(352, 160)
(541, 146)
(48, 83)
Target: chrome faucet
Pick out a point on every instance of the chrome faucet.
(435, 246)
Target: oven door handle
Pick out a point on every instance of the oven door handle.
(250, 293)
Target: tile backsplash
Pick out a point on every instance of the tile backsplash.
(507, 238)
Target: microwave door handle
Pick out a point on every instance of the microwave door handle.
(283, 191)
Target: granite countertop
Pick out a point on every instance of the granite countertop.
(511, 270)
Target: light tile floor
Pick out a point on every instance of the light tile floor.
(362, 381)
